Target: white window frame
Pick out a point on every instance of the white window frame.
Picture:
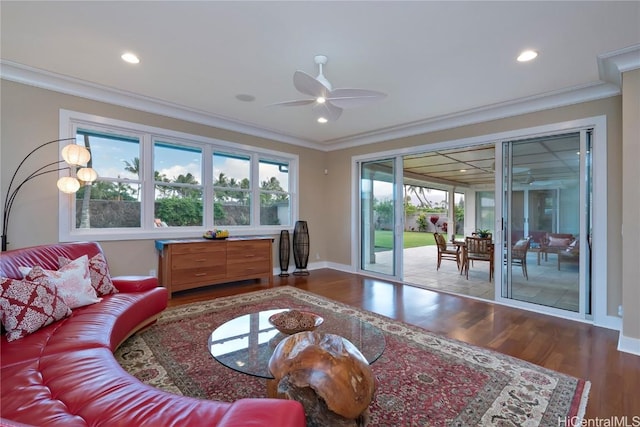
(71, 120)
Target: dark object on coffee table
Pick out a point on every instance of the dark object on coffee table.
(294, 321)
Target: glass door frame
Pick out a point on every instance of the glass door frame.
(398, 217)
(597, 286)
(600, 310)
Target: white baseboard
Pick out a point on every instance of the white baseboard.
(340, 267)
(316, 266)
(629, 345)
(609, 322)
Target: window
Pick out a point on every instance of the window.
(274, 193)
(113, 200)
(156, 182)
(177, 178)
(232, 189)
(485, 210)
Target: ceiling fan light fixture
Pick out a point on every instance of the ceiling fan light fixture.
(131, 58)
(527, 55)
(327, 102)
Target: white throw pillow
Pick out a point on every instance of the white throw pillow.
(73, 281)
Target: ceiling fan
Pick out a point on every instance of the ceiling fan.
(530, 179)
(328, 102)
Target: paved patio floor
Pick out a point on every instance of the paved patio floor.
(546, 284)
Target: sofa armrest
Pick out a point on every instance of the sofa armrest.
(264, 412)
(9, 423)
(129, 284)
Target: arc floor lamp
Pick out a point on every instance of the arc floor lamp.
(74, 155)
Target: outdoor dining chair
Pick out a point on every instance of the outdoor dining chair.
(446, 251)
(477, 249)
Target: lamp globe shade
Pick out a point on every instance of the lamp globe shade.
(87, 174)
(75, 154)
(68, 184)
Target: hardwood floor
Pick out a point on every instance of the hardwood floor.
(566, 346)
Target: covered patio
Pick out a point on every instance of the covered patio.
(546, 285)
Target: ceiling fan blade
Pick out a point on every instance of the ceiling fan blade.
(296, 103)
(352, 98)
(309, 85)
(328, 111)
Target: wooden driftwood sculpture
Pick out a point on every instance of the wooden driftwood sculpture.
(328, 375)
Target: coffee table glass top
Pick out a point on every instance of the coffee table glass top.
(246, 343)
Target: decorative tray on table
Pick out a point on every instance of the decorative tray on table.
(216, 234)
(294, 321)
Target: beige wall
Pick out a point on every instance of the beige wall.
(30, 116)
(340, 165)
(631, 203)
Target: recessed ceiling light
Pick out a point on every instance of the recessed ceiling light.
(321, 100)
(322, 120)
(130, 58)
(527, 55)
(244, 97)
(463, 170)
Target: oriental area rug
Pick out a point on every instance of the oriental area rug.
(423, 379)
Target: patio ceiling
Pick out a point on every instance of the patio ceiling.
(542, 162)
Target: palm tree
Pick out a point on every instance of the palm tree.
(419, 192)
(133, 167)
(85, 215)
(187, 192)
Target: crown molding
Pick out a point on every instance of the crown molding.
(31, 76)
(610, 65)
(487, 113)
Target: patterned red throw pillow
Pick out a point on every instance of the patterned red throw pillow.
(72, 281)
(99, 271)
(28, 306)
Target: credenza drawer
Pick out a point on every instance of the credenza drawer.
(199, 260)
(201, 247)
(241, 252)
(196, 275)
(248, 269)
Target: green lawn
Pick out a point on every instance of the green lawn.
(412, 239)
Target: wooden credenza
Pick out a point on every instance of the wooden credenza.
(193, 263)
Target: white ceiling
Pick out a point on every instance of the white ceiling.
(435, 60)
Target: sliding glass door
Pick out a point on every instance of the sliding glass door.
(378, 242)
(546, 211)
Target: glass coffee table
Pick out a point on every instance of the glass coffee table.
(246, 343)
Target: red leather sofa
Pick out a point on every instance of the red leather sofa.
(65, 374)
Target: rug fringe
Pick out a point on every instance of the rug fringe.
(583, 402)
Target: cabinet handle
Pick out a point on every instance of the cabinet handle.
(200, 260)
(200, 274)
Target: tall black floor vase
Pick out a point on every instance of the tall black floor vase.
(301, 248)
(284, 253)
